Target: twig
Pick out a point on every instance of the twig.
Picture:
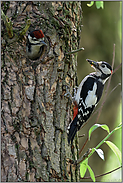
(25, 29)
(74, 51)
(119, 84)
(84, 156)
(81, 135)
(8, 24)
(102, 174)
(117, 68)
(83, 146)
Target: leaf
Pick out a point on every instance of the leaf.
(100, 153)
(115, 149)
(99, 4)
(94, 127)
(105, 127)
(91, 4)
(83, 167)
(91, 173)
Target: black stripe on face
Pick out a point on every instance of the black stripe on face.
(108, 65)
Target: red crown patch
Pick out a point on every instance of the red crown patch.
(38, 34)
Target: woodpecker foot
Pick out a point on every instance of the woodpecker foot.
(68, 95)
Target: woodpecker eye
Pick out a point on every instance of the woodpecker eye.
(103, 65)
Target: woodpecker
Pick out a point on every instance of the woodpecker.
(88, 95)
(35, 44)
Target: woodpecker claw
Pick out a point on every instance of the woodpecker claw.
(68, 95)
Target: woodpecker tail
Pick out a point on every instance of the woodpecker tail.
(72, 129)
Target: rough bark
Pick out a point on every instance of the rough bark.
(35, 114)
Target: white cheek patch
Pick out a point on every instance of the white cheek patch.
(105, 70)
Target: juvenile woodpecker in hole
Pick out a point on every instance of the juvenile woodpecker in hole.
(35, 44)
(88, 95)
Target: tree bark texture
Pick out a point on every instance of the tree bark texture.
(35, 114)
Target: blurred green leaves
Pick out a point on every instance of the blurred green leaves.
(99, 4)
(91, 4)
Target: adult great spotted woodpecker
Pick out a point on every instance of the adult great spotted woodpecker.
(88, 95)
(35, 44)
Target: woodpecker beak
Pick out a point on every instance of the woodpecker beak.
(43, 43)
(93, 63)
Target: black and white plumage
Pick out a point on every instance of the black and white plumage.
(88, 95)
(35, 44)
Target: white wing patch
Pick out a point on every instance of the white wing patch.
(91, 98)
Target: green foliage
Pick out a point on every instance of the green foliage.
(113, 162)
(115, 149)
(91, 173)
(91, 4)
(99, 4)
(83, 167)
(84, 164)
(94, 127)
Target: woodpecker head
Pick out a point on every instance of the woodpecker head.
(35, 46)
(36, 37)
(103, 69)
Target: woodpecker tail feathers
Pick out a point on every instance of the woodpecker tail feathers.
(72, 129)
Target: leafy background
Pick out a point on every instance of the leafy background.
(101, 29)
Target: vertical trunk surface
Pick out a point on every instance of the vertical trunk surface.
(35, 114)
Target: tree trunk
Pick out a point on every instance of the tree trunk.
(35, 114)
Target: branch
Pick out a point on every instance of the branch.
(83, 146)
(25, 29)
(102, 174)
(74, 51)
(117, 68)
